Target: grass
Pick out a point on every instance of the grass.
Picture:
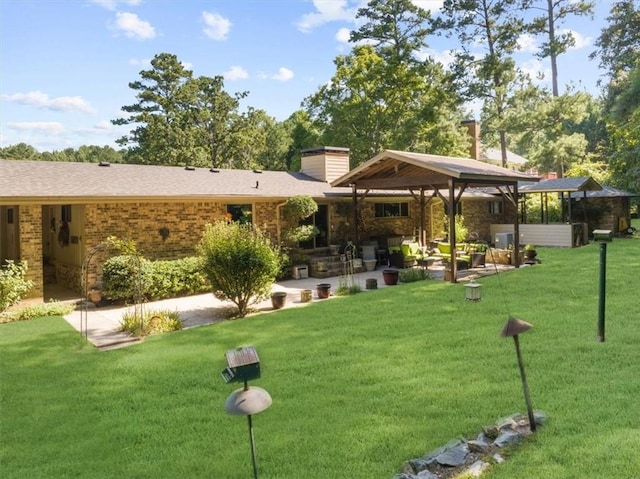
(360, 384)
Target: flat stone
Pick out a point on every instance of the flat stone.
(454, 455)
(498, 458)
(507, 439)
(427, 475)
(478, 445)
(539, 417)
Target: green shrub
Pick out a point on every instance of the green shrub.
(160, 321)
(409, 275)
(123, 276)
(13, 286)
(160, 279)
(34, 311)
(344, 290)
(240, 262)
(169, 279)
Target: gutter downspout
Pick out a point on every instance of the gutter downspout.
(278, 229)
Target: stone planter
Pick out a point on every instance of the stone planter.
(390, 276)
(370, 264)
(95, 296)
(278, 299)
(323, 290)
(305, 296)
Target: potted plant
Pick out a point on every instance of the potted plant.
(390, 276)
(278, 299)
(322, 289)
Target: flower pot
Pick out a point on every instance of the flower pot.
(278, 299)
(390, 276)
(370, 264)
(323, 290)
(305, 295)
(95, 296)
(530, 253)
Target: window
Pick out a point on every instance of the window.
(10, 216)
(392, 210)
(495, 207)
(66, 213)
(320, 219)
(240, 213)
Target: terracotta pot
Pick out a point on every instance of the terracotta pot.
(278, 299)
(95, 296)
(323, 290)
(390, 276)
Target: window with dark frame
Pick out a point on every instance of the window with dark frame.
(392, 210)
(240, 213)
(495, 207)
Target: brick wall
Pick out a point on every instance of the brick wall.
(142, 222)
(30, 217)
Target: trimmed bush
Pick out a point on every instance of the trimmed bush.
(240, 262)
(160, 279)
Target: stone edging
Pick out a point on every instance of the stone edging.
(471, 457)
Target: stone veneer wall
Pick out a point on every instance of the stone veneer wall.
(613, 209)
(30, 217)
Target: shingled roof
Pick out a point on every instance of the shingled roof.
(63, 182)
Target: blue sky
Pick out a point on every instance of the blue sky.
(65, 65)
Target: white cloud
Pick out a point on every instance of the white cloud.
(580, 39)
(235, 73)
(41, 100)
(326, 11)
(343, 35)
(216, 26)
(48, 127)
(432, 5)
(113, 4)
(133, 27)
(140, 62)
(444, 57)
(101, 128)
(527, 43)
(284, 74)
(535, 69)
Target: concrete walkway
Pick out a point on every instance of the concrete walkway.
(100, 324)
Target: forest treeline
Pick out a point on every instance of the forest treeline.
(386, 94)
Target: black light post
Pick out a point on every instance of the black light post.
(514, 327)
(604, 237)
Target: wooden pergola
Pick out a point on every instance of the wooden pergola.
(426, 175)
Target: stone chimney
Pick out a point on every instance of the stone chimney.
(325, 163)
(473, 128)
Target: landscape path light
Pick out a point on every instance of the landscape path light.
(513, 328)
(243, 364)
(472, 291)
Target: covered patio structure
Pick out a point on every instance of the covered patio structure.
(430, 176)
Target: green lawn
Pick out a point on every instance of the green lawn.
(359, 384)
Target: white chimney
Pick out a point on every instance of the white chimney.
(325, 163)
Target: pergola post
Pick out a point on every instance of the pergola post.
(453, 263)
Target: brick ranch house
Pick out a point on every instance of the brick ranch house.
(53, 213)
